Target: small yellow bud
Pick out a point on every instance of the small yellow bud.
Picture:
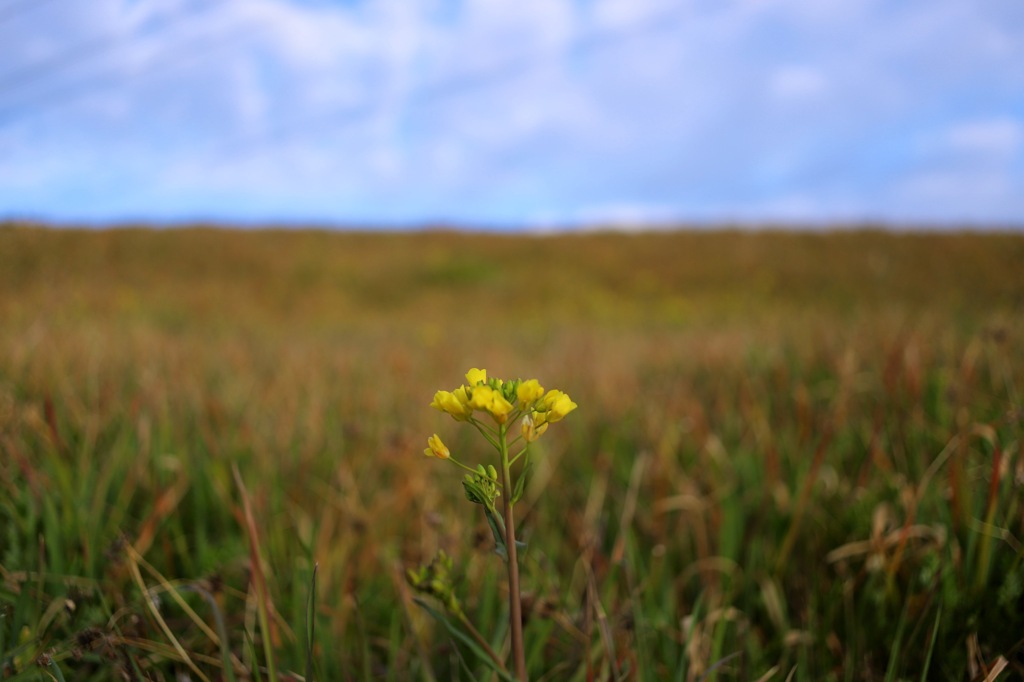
(435, 448)
(528, 393)
(531, 429)
(476, 376)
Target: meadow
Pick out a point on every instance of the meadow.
(796, 456)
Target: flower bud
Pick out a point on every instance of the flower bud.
(435, 448)
(534, 426)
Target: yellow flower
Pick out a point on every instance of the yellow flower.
(476, 376)
(462, 395)
(532, 430)
(436, 448)
(456, 404)
(558, 405)
(528, 393)
(487, 399)
(481, 397)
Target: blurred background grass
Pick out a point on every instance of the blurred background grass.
(793, 452)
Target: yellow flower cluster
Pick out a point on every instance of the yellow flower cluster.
(504, 400)
(552, 408)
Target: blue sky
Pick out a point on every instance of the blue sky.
(533, 113)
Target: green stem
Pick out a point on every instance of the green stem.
(481, 641)
(469, 469)
(516, 458)
(515, 608)
(485, 434)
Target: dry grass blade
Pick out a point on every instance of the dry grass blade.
(151, 605)
(167, 587)
(166, 502)
(170, 589)
(602, 623)
(263, 602)
(997, 668)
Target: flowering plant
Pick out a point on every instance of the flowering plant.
(493, 406)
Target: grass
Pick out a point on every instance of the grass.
(796, 456)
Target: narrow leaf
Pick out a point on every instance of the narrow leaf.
(498, 530)
(464, 638)
(521, 482)
(310, 624)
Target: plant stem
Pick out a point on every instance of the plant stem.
(515, 608)
(482, 642)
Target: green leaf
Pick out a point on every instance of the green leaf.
(251, 646)
(931, 644)
(310, 624)
(222, 633)
(54, 671)
(465, 639)
(521, 482)
(897, 645)
(498, 530)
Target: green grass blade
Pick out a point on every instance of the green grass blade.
(713, 670)
(897, 642)
(310, 624)
(251, 646)
(54, 670)
(464, 638)
(931, 644)
(222, 632)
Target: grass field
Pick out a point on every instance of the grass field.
(796, 456)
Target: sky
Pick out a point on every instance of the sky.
(524, 114)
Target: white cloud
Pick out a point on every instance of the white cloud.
(946, 188)
(998, 138)
(621, 216)
(797, 82)
(957, 199)
(250, 96)
(305, 37)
